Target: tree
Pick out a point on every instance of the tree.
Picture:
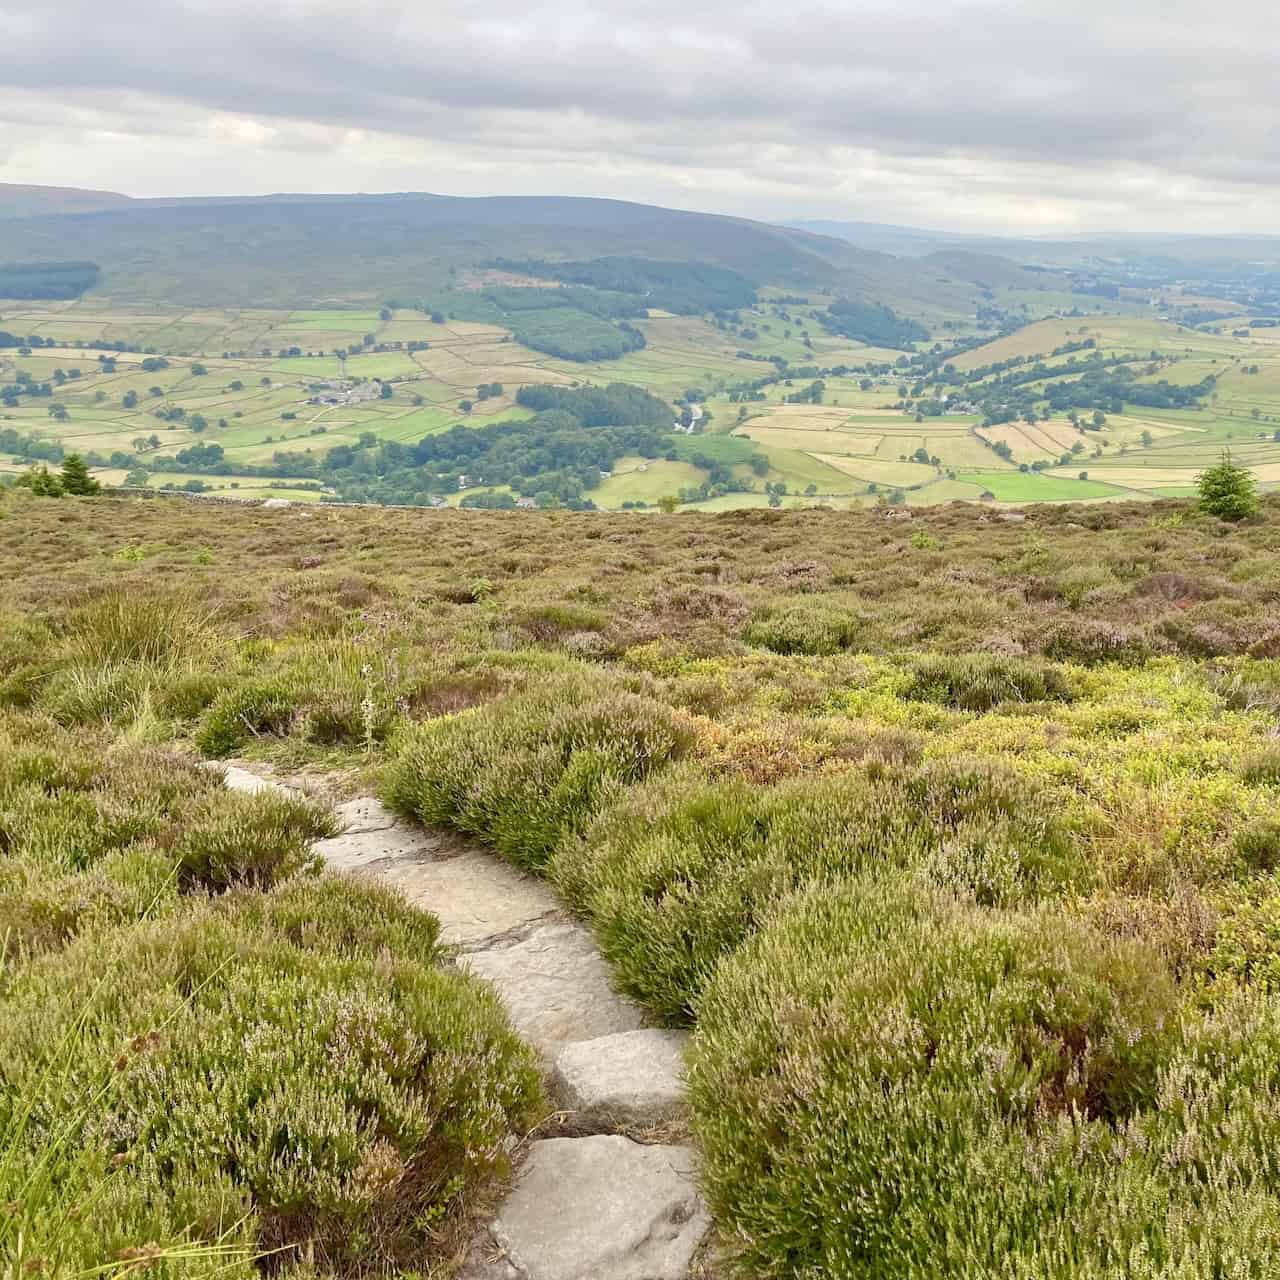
(668, 503)
(75, 478)
(41, 482)
(1099, 419)
(58, 412)
(386, 391)
(129, 400)
(137, 478)
(1147, 439)
(1228, 491)
(465, 406)
(198, 371)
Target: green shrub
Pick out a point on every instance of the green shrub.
(978, 682)
(238, 839)
(886, 1082)
(93, 835)
(811, 626)
(523, 773)
(1262, 768)
(349, 1093)
(1258, 844)
(245, 712)
(679, 872)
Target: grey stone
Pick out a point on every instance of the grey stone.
(556, 988)
(1012, 517)
(632, 1078)
(364, 814)
(476, 895)
(602, 1208)
(234, 778)
(274, 504)
(354, 850)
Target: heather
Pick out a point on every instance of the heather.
(952, 838)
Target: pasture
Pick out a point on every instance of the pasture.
(259, 402)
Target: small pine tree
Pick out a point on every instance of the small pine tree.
(76, 478)
(1228, 491)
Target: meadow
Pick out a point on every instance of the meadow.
(858, 444)
(953, 836)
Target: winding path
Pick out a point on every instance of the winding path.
(614, 1198)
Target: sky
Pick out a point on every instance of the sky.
(1014, 116)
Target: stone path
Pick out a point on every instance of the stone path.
(598, 1205)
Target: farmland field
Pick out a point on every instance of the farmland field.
(263, 401)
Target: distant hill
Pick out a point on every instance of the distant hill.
(314, 250)
(882, 237)
(19, 201)
(989, 270)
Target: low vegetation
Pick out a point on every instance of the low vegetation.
(952, 838)
(214, 1056)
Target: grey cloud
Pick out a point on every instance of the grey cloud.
(1083, 110)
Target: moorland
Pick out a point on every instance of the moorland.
(952, 835)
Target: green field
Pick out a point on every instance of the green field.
(256, 404)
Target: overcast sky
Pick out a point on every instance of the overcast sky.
(1023, 115)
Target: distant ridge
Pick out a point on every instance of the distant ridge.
(19, 200)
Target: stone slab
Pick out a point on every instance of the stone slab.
(633, 1078)
(476, 895)
(234, 778)
(354, 851)
(364, 814)
(602, 1208)
(556, 987)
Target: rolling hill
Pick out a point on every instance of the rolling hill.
(318, 250)
(21, 201)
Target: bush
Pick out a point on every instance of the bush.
(243, 713)
(886, 1082)
(523, 773)
(345, 1091)
(679, 873)
(92, 835)
(978, 682)
(806, 626)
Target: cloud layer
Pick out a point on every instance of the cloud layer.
(1019, 115)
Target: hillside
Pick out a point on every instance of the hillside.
(22, 201)
(318, 250)
(950, 840)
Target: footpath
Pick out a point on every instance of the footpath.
(612, 1196)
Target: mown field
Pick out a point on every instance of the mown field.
(851, 448)
(954, 839)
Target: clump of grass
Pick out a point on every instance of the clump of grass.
(886, 1081)
(244, 712)
(1262, 767)
(122, 626)
(525, 773)
(334, 1088)
(810, 626)
(978, 682)
(679, 873)
(94, 834)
